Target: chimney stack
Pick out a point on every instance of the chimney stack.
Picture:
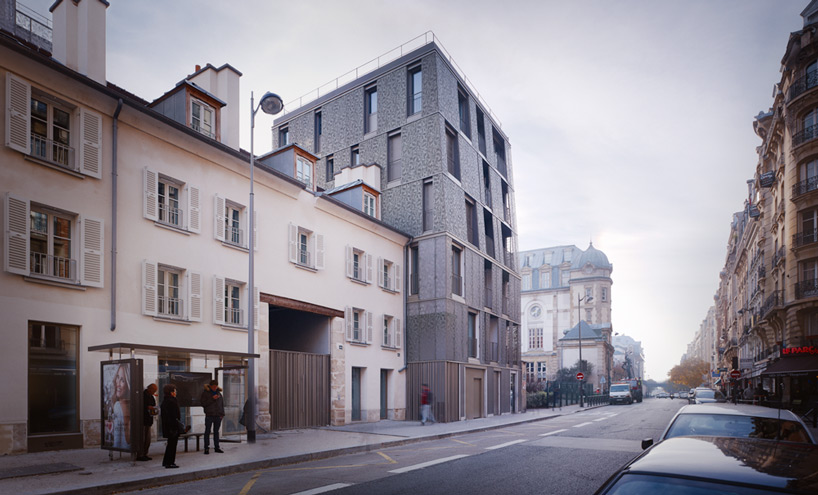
(79, 36)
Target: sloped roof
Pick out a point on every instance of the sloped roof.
(593, 256)
(589, 331)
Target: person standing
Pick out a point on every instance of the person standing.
(212, 402)
(426, 400)
(171, 425)
(148, 412)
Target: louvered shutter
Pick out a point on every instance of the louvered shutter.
(398, 333)
(149, 288)
(381, 281)
(350, 263)
(256, 304)
(17, 238)
(397, 284)
(195, 296)
(18, 114)
(218, 300)
(348, 322)
(369, 268)
(292, 236)
(93, 252)
(368, 327)
(193, 209)
(218, 218)
(319, 252)
(150, 187)
(90, 152)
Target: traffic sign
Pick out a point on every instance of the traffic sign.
(580, 376)
(735, 374)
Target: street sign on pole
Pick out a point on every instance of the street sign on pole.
(580, 376)
(735, 374)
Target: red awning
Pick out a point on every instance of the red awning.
(793, 366)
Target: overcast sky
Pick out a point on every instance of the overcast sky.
(630, 121)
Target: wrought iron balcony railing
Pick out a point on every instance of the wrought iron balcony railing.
(169, 306)
(802, 239)
(779, 256)
(53, 152)
(805, 135)
(170, 215)
(806, 288)
(802, 84)
(804, 186)
(53, 266)
(234, 235)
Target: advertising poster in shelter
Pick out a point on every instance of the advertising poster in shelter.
(121, 393)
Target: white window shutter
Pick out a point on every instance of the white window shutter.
(17, 238)
(350, 263)
(293, 238)
(396, 278)
(255, 230)
(218, 218)
(90, 149)
(398, 333)
(18, 114)
(256, 304)
(194, 223)
(150, 187)
(381, 281)
(369, 268)
(93, 252)
(319, 252)
(368, 327)
(218, 300)
(195, 296)
(348, 321)
(149, 288)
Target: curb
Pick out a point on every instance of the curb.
(141, 484)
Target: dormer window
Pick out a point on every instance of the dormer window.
(370, 205)
(202, 118)
(303, 171)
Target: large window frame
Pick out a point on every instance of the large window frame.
(394, 157)
(464, 112)
(202, 118)
(414, 93)
(51, 131)
(370, 109)
(52, 247)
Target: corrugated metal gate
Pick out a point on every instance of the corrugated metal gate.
(299, 389)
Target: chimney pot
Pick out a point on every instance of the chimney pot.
(198, 68)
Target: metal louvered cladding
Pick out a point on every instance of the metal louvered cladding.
(299, 389)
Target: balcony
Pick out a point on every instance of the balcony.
(802, 239)
(234, 316)
(762, 272)
(804, 186)
(805, 135)
(779, 256)
(46, 265)
(234, 236)
(169, 307)
(53, 152)
(803, 84)
(170, 215)
(807, 288)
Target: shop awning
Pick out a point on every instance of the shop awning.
(793, 366)
(125, 349)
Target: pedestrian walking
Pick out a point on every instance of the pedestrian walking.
(212, 402)
(426, 401)
(172, 425)
(148, 412)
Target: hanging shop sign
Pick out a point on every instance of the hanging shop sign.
(806, 349)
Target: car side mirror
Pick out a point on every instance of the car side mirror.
(646, 442)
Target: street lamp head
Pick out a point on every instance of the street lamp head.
(589, 299)
(271, 103)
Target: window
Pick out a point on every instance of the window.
(232, 304)
(171, 202)
(46, 242)
(394, 159)
(604, 294)
(231, 222)
(51, 133)
(588, 313)
(415, 92)
(452, 153)
(230, 301)
(808, 177)
(392, 334)
(389, 276)
(488, 285)
(371, 109)
(588, 291)
(481, 131)
(463, 110)
(809, 227)
(414, 277)
(168, 297)
(535, 338)
(566, 276)
(202, 118)
(809, 130)
(306, 248)
(527, 281)
(486, 184)
(358, 325)
(53, 357)
(507, 206)
(472, 338)
(330, 172)
(359, 265)
(545, 279)
(283, 135)
(500, 152)
(354, 156)
(471, 223)
(370, 205)
(457, 271)
(319, 129)
(303, 171)
(488, 226)
(233, 232)
(171, 292)
(428, 205)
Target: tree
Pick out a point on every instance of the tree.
(618, 372)
(570, 374)
(689, 373)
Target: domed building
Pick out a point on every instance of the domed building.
(561, 286)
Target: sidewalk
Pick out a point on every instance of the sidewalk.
(90, 471)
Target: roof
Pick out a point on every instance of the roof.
(737, 410)
(589, 331)
(592, 256)
(793, 366)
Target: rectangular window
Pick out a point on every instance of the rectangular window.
(358, 325)
(357, 269)
(526, 281)
(233, 233)
(304, 257)
(51, 247)
(588, 291)
(535, 338)
(471, 223)
(415, 92)
(488, 225)
(457, 271)
(359, 265)
(507, 205)
(370, 205)
(53, 400)
(486, 184)
(452, 153)
(306, 249)
(168, 197)
(472, 338)
(545, 280)
(51, 133)
(330, 172)
(389, 339)
(463, 109)
(202, 118)
(303, 171)
(371, 109)
(232, 304)
(283, 135)
(394, 160)
(604, 294)
(354, 156)
(500, 152)
(428, 205)
(481, 132)
(414, 277)
(168, 296)
(319, 130)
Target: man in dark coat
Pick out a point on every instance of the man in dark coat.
(171, 424)
(212, 402)
(149, 411)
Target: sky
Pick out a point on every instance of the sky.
(630, 121)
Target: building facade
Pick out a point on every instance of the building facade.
(447, 181)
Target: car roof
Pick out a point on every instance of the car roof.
(750, 461)
(738, 410)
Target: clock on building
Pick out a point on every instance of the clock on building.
(535, 311)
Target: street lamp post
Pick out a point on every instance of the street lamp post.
(271, 104)
(587, 299)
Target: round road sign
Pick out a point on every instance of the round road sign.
(735, 374)
(580, 376)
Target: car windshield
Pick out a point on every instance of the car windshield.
(728, 425)
(619, 388)
(639, 484)
(706, 394)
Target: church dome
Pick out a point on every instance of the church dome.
(593, 256)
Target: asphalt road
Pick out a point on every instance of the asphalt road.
(571, 454)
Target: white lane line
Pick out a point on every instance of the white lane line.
(505, 444)
(612, 415)
(427, 464)
(553, 432)
(582, 424)
(600, 419)
(324, 489)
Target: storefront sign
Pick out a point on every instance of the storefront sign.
(121, 393)
(807, 349)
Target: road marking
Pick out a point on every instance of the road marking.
(461, 441)
(505, 444)
(601, 419)
(427, 464)
(391, 461)
(553, 432)
(249, 485)
(582, 424)
(324, 489)
(512, 432)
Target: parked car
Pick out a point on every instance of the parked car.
(620, 393)
(662, 395)
(718, 465)
(704, 395)
(738, 421)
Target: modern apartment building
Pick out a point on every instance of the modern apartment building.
(446, 179)
(126, 235)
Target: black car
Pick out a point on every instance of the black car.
(718, 466)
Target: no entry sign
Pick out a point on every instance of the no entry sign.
(580, 376)
(735, 374)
